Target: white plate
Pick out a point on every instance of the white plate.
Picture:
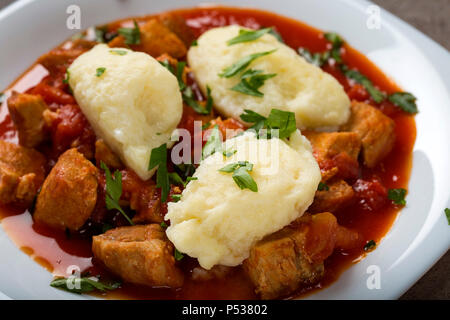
(419, 236)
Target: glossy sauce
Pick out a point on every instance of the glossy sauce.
(56, 251)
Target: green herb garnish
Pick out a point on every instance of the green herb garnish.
(164, 225)
(336, 42)
(405, 100)
(176, 197)
(242, 63)
(241, 174)
(100, 71)
(114, 191)
(118, 52)
(323, 186)
(447, 214)
(229, 153)
(67, 77)
(214, 143)
(194, 43)
(100, 33)
(283, 121)
(397, 196)
(158, 158)
(82, 284)
(370, 245)
(177, 255)
(317, 59)
(131, 35)
(248, 35)
(376, 94)
(276, 35)
(251, 81)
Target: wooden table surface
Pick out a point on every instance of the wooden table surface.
(432, 18)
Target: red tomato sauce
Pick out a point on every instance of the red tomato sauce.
(56, 251)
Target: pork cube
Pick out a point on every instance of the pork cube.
(177, 25)
(69, 193)
(155, 40)
(336, 152)
(277, 267)
(337, 195)
(26, 111)
(139, 254)
(376, 130)
(22, 172)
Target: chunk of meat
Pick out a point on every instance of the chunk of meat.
(282, 262)
(139, 254)
(376, 130)
(26, 111)
(22, 172)
(336, 152)
(104, 154)
(69, 193)
(277, 267)
(177, 25)
(156, 39)
(338, 195)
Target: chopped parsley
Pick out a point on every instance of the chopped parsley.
(176, 197)
(370, 245)
(397, 196)
(376, 94)
(276, 35)
(317, 59)
(177, 255)
(185, 169)
(158, 158)
(188, 98)
(175, 178)
(447, 214)
(283, 121)
(241, 174)
(242, 63)
(131, 35)
(228, 153)
(100, 71)
(67, 77)
(82, 284)
(100, 34)
(323, 186)
(336, 43)
(405, 100)
(118, 52)
(114, 191)
(251, 81)
(214, 143)
(163, 225)
(248, 35)
(194, 43)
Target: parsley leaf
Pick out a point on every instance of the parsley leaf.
(82, 284)
(67, 77)
(100, 34)
(323, 186)
(336, 42)
(276, 35)
(163, 225)
(213, 144)
(179, 74)
(176, 197)
(248, 35)
(131, 35)
(118, 52)
(405, 100)
(370, 245)
(188, 98)
(177, 255)
(241, 174)
(251, 81)
(194, 43)
(100, 71)
(158, 158)
(177, 180)
(114, 191)
(447, 214)
(316, 59)
(242, 63)
(397, 196)
(376, 94)
(284, 121)
(229, 153)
